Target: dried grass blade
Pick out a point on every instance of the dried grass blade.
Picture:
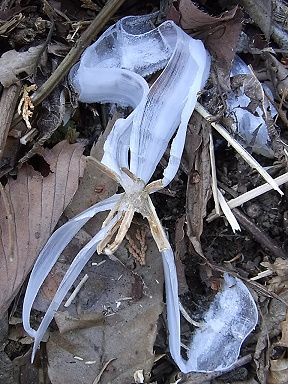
(228, 213)
(242, 151)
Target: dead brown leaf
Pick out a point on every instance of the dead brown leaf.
(31, 207)
(198, 186)
(12, 63)
(114, 316)
(284, 337)
(95, 186)
(219, 34)
(279, 281)
(278, 74)
(278, 372)
(180, 251)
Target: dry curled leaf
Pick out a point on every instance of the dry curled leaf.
(198, 185)
(219, 34)
(283, 342)
(12, 63)
(279, 281)
(32, 205)
(278, 372)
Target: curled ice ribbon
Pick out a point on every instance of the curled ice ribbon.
(112, 70)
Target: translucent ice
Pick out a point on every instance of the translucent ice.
(113, 70)
(251, 127)
(231, 317)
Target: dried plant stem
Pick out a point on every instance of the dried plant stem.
(7, 108)
(76, 290)
(262, 274)
(262, 238)
(228, 213)
(247, 196)
(74, 54)
(98, 378)
(213, 173)
(256, 192)
(188, 318)
(242, 151)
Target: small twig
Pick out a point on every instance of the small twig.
(187, 317)
(242, 151)
(261, 275)
(247, 196)
(98, 378)
(228, 213)
(258, 191)
(213, 173)
(262, 238)
(76, 290)
(29, 136)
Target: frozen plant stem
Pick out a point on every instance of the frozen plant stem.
(113, 69)
(242, 151)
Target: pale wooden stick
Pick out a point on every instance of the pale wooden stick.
(233, 203)
(242, 151)
(213, 173)
(228, 213)
(76, 290)
(247, 196)
(261, 275)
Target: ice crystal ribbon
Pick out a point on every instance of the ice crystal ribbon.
(112, 70)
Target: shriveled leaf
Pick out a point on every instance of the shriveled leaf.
(180, 251)
(279, 281)
(49, 119)
(284, 337)
(31, 206)
(12, 63)
(198, 186)
(278, 74)
(273, 314)
(219, 34)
